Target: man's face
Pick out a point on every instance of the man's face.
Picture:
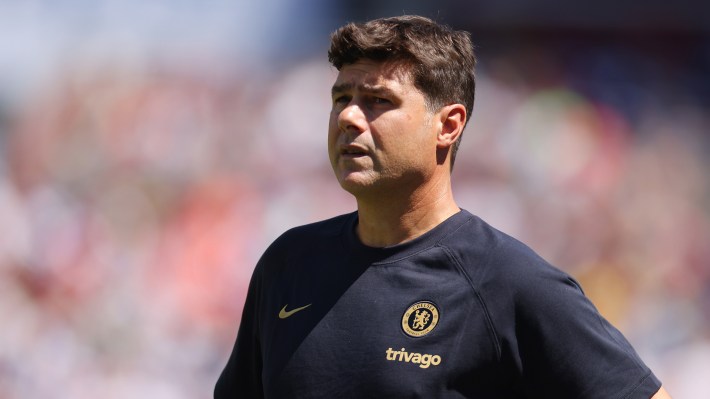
(381, 137)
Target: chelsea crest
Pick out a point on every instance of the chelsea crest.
(420, 318)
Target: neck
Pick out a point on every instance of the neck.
(395, 218)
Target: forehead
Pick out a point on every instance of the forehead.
(372, 73)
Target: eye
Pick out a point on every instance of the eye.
(342, 99)
(381, 100)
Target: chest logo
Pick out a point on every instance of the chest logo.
(420, 318)
(284, 313)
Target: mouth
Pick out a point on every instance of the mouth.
(352, 151)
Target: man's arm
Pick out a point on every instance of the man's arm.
(241, 376)
(661, 394)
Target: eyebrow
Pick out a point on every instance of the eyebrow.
(364, 87)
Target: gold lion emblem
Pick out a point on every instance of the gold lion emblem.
(420, 318)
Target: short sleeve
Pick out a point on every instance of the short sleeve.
(557, 340)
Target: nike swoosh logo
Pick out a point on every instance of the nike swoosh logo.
(284, 313)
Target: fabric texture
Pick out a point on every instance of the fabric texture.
(463, 311)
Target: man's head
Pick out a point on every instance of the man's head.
(439, 61)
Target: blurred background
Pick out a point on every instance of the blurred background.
(151, 150)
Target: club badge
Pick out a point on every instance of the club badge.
(420, 318)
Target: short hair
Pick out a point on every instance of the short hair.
(440, 61)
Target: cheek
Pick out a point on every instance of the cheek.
(332, 135)
(416, 147)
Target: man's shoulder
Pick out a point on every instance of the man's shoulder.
(307, 235)
(475, 236)
(502, 267)
(300, 241)
(483, 249)
(329, 227)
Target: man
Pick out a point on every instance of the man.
(411, 296)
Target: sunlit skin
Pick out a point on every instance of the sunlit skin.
(661, 394)
(391, 152)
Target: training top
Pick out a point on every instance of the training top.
(463, 311)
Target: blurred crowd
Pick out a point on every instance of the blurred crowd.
(136, 198)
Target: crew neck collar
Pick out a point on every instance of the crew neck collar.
(399, 251)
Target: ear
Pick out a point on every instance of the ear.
(453, 120)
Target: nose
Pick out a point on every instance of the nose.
(352, 118)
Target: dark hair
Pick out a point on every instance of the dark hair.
(439, 60)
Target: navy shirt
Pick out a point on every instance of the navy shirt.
(463, 311)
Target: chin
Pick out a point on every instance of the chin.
(352, 187)
(356, 186)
